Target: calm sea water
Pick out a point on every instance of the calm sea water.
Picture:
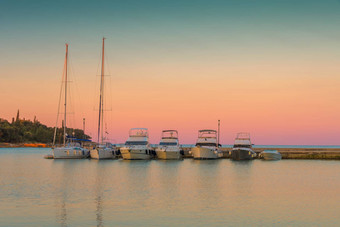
(39, 192)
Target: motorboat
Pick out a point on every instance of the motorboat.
(71, 148)
(103, 150)
(242, 149)
(137, 146)
(207, 146)
(270, 155)
(168, 146)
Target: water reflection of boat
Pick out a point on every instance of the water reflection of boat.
(137, 146)
(168, 146)
(207, 146)
(270, 155)
(242, 149)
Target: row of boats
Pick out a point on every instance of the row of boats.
(137, 147)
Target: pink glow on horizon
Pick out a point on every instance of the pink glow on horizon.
(277, 104)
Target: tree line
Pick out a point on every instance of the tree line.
(26, 131)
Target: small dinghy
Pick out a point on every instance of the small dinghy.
(270, 155)
(48, 156)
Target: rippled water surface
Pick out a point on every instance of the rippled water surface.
(39, 192)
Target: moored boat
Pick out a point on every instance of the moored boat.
(102, 150)
(242, 149)
(70, 151)
(271, 155)
(207, 146)
(71, 148)
(137, 146)
(169, 147)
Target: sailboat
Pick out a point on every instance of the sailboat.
(70, 149)
(102, 150)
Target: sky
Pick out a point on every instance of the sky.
(268, 67)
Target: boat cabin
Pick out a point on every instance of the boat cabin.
(138, 136)
(242, 140)
(169, 138)
(207, 137)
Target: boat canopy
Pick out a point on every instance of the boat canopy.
(207, 133)
(169, 134)
(243, 135)
(138, 132)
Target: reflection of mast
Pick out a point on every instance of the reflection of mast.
(99, 211)
(100, 179)
(63, 214)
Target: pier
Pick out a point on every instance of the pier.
(289, 153)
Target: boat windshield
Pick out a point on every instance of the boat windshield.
(241, 145)
(206, 144)
(136, 143)
(167, 144)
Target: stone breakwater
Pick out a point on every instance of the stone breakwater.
(290, 153)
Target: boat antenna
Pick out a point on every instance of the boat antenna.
(101, 100)
(218, 134)
(84, 128)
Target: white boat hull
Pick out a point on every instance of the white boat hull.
(206, 153)
(70, 153)
(135, 154)
(164, 154)
(106, 153)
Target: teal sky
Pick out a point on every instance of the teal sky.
(164, 27)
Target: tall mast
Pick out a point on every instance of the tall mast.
(65, 94)
(101, 101)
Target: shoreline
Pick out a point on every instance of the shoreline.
(24, 145)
